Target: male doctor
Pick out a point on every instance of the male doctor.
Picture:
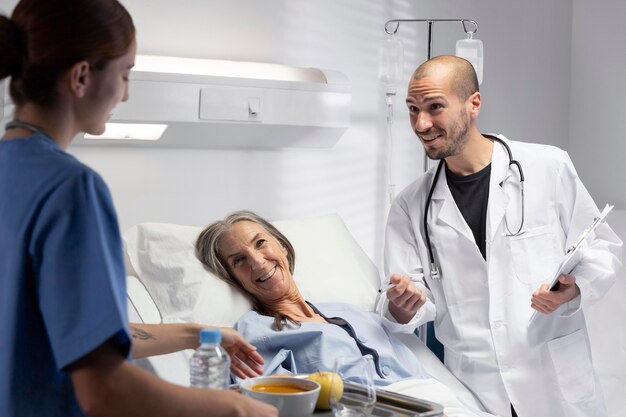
(495, 246)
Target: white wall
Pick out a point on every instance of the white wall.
(597, 147)
(597, 142)
(521, 99)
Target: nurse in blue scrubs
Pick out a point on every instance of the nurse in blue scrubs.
(64, 336)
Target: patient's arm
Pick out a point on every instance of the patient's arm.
(159, 339)
(107, 385)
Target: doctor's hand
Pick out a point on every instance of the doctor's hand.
(245, 360)
(404, 298)
(546, 301)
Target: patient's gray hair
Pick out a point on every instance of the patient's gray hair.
(208, 247)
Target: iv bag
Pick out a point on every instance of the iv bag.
(472, 50)
(390, 63)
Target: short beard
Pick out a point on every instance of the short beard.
(458, 138)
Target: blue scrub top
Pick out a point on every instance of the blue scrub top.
(62, 279)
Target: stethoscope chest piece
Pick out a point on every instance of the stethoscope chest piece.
(434, 272)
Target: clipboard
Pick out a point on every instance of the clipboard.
(574, 254)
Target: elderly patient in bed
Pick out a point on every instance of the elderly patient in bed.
(294, 335)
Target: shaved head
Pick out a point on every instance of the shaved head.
(458, 72)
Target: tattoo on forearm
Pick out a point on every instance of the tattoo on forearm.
(141, 334)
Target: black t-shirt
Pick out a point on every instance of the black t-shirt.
(471, 194)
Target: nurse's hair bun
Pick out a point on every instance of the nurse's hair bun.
(11, 48)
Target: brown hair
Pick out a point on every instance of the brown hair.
(44, 38)
(208, 252)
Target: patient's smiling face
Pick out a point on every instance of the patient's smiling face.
(257, 260)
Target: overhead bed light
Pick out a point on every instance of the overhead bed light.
(130, 131)
(230, 104)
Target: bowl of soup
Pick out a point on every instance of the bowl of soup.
(294, 397)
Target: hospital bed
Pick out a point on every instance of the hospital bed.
(167, 284)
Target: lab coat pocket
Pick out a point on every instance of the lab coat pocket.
(573, 368)
(534, 255)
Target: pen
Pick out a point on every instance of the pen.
(386, 287)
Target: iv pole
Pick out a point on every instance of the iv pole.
(423, 329)
(430, 23)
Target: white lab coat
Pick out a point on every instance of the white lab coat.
(483, 307)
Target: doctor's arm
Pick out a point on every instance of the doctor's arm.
(409, 298)
(596, 271)
(106, 384)
(159, 339)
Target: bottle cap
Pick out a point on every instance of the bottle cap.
(210, 336)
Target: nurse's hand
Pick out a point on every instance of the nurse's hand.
(546, 301)
(245, 360)
(404, 298)
(162, 338)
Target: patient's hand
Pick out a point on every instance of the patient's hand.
(404, 299)
(245, 360)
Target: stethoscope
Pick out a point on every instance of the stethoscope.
(15, 124)
(434, 269)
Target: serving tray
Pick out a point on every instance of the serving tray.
(391, 404)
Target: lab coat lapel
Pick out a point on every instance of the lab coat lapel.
(498, 198)
(445, 210)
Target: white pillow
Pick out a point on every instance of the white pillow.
(330, 266)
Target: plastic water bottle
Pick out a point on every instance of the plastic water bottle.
(209, 366)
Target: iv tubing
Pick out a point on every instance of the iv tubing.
(391, 187)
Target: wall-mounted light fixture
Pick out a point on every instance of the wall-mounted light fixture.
(188, 102)
(130, 131)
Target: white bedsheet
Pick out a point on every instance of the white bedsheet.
(436, 392)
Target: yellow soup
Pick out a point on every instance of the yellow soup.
(278, 388)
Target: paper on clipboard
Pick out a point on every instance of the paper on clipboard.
(573, 255)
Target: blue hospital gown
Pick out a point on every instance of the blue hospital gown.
(313, 347)
(62, 280)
